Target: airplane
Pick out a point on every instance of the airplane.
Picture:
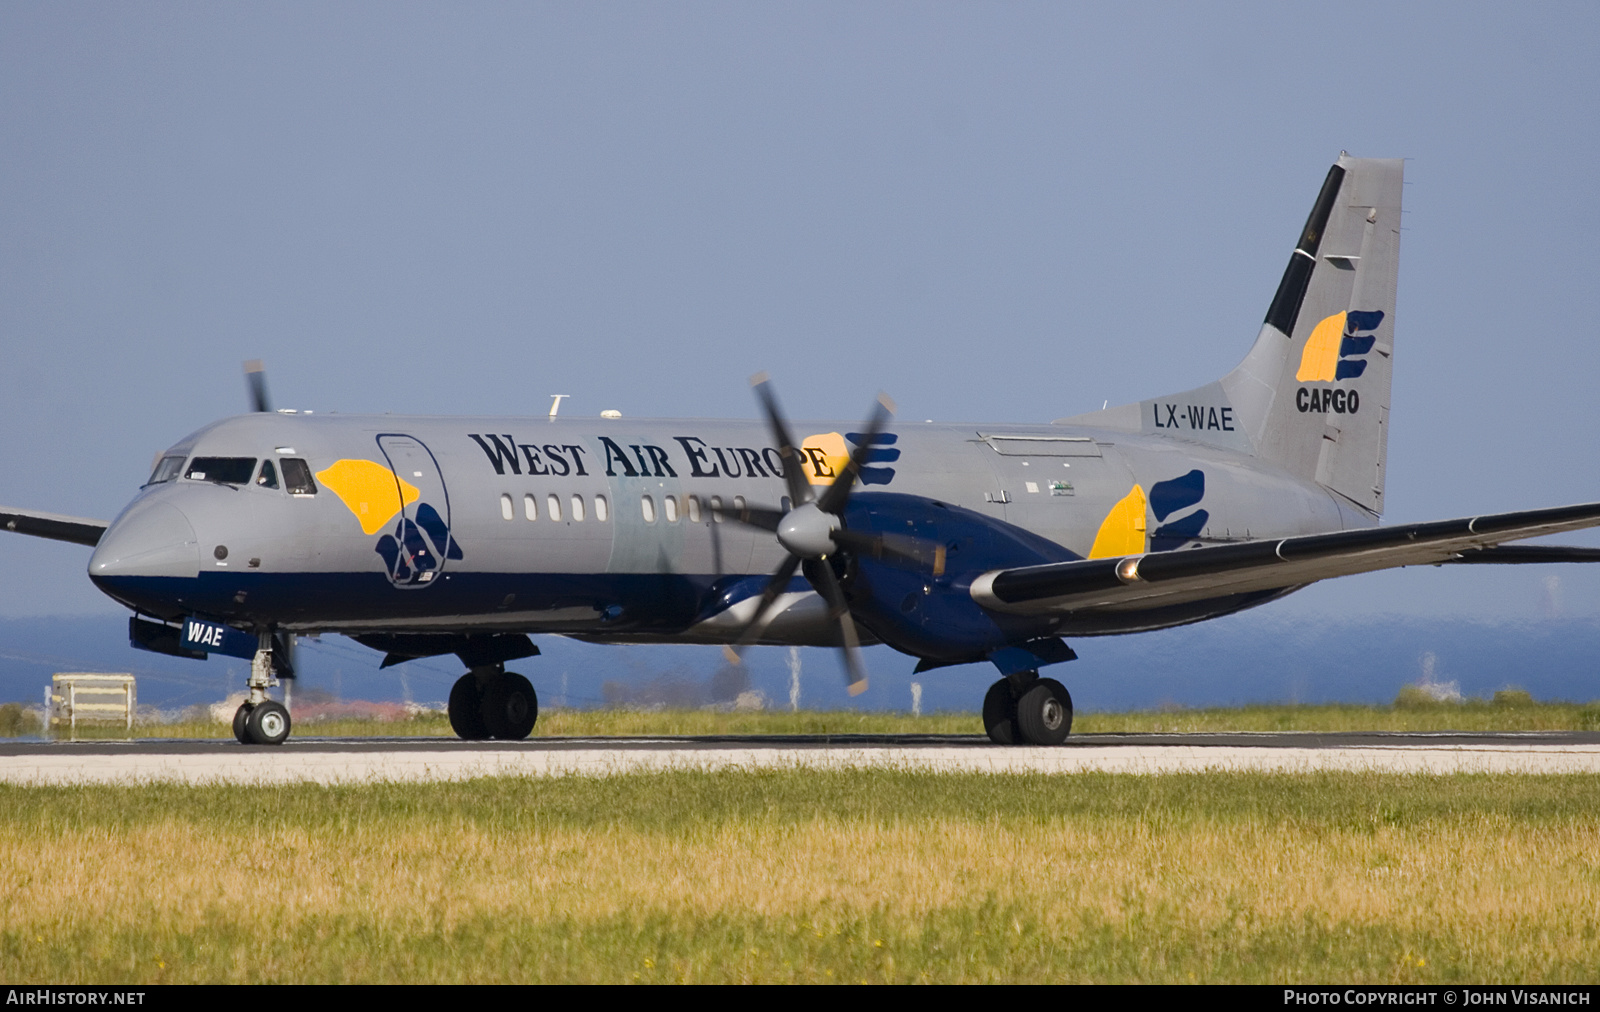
(953, 544)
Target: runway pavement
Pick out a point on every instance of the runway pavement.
(355, 760)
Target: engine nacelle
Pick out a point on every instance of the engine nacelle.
(932, 615)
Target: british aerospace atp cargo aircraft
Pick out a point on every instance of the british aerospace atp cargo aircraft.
(955, 544)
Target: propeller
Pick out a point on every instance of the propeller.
(255, 377)
(813, 529)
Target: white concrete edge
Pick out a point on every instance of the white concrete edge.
(329, 767)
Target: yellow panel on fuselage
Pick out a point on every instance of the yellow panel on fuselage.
(371, 491)
(1122, 531)
(823, 457)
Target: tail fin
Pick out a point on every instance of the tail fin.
(1313, 393)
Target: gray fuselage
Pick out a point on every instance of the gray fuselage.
(624, 540)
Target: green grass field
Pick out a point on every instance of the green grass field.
(809, 876)
(1512, 713)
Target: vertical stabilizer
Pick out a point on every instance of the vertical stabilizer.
(1313, 393)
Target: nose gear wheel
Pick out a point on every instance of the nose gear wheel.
(263, 723)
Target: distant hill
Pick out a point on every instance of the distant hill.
(1254, 657)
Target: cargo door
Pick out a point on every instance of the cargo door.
(420, 545)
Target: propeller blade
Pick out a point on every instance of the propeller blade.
(764, 517)
(856, 672)
(799, 488)
(838, 493)
(255, 376)
(914, 552)
(821, 576)
(770, 593)
(817, 572)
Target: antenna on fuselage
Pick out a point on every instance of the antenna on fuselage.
(555, 403)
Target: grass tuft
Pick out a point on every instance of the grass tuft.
(17, 720)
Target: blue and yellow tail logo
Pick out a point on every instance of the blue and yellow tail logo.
(1338, 346)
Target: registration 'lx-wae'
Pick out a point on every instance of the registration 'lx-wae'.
(954, 544)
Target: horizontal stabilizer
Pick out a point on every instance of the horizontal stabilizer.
(1169, 578)
(77, 530)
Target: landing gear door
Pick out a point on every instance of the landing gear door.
(420, 545)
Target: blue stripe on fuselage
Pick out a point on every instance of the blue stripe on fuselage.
(656, 602)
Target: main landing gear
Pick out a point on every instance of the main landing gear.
(491, 702)
(259, 720)
(1024, 709)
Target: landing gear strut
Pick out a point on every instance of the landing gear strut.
(1024, 709)
(491, 702)
(259, 720)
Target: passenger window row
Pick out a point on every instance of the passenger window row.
(552, 507)
(692, 508)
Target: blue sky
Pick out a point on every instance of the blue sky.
(1002, 212)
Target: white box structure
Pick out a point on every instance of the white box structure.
(91, 695)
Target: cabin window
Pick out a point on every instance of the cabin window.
(268, 478)
(693, 502)
(577, 508)
(716, 508)
(783, 503)
(552, 504)
(669, 507)
(227, 470)
(602, 512)
(738, 507)
(530, 506)
(297, 476)
(167, 468)
(506, 512)
(648, 506)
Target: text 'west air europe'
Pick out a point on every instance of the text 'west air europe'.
(695, 457)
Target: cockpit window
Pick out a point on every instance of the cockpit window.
(268, 478)
(297, 476)
(167, 468)
(227, 470)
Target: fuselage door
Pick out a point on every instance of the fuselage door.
(421, 543)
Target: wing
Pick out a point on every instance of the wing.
(1136, 582)
(50, 525)
(1521, 555)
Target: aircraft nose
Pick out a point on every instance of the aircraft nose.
(153, 539)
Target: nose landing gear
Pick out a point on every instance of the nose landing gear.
(491, 702)
(1025, 709)
(259, 720)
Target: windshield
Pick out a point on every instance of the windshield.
(167, 468)
(297, 477)
(228, 470)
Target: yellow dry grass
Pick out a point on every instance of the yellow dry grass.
(1490, 875)
(1512, 893)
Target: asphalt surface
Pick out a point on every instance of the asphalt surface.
(787, 742)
